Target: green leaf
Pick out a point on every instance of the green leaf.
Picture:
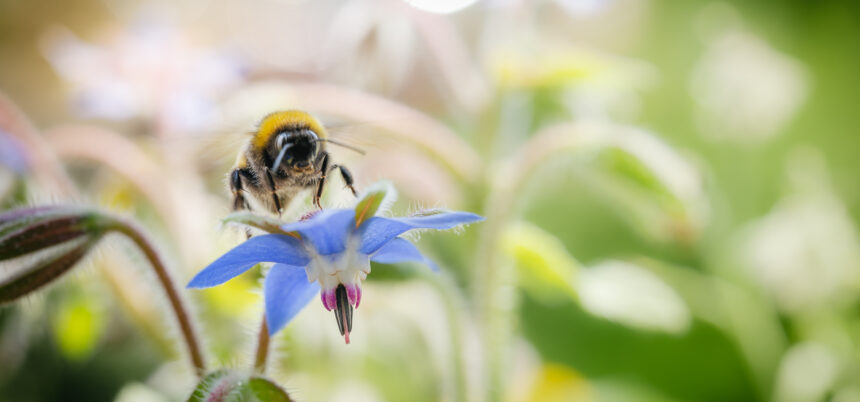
(631, 295)
(703, 364)
(229, 386)
(624, 164)
(661, 191)
(544, 266)
(372, 200)
(265, 390)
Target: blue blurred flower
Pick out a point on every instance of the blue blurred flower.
(13, 154)
(330, 255)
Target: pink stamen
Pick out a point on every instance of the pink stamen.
(329, 300)
(353, 293)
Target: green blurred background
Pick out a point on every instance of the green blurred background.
(671, 190)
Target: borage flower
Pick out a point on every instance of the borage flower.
(328, 253)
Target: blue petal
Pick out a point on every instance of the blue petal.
(287, 291)
(401, 250)
(378, 230)
(327, 230)
(266, 248)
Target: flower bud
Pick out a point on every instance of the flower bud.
(68, 233)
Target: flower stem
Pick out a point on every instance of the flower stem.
(176, 302)
(262, 348)
(453, 304)
(494, 274)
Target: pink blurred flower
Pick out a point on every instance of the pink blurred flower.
(148, 70)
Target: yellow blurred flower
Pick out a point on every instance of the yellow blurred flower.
(556, 383)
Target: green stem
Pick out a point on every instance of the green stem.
(495, 319)
(176, 302)
(447, 291)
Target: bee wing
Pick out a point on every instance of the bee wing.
(365, 135)
(226, 143)
(218, 151)
(355, 134)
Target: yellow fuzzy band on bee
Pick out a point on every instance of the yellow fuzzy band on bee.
(241, 161)
(286, 120)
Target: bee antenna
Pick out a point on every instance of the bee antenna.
(347, 146)
(280, 156)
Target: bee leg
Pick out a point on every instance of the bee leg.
(347, 178)
(236, 187)
(324, 169)
(275, 199)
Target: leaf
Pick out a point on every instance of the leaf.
(655, 182)
(628, 294)
(626, 165)
(267, 391)
(229, 386)
(373, 199)
(702, 364)
(544, 266)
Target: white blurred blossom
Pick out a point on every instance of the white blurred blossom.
(150, 70)
(807, 372)
(805, 251)
(373, 42)
(137, 392)
(633, 296)
(584, 8)
(440, 6)
(745, 89)
(384, 43)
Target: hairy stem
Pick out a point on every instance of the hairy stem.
(176, 302)
(452, 303)
(262, 348)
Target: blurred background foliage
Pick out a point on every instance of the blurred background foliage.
(670, 186)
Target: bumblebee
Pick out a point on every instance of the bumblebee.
(285, 155)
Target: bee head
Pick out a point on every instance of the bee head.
(295, 149)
